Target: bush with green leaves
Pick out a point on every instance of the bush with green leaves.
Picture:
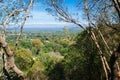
(51, 47)
(82, 61)
(25, 44)
(37, 71)
(24, 59)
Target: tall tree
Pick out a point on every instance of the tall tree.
(17, 12)
(66, 31)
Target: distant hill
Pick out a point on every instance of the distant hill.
(44, 27)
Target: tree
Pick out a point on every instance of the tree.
(66, 31)
(81, 61)
(37, 44)
(105, 14)
(37, 71)
(12, 14)
(116, 4)
(24, 59)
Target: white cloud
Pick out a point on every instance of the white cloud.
(41, 17)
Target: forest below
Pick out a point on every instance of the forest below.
(59, 55)
(38, 55)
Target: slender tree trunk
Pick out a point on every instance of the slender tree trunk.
(9, 62)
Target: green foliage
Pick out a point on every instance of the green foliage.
(25, 44)
(64, 42)
(51, 46)
(82, 61)
(34, 50)
(49, 60)
(64, 51)
(46, 65)
(66, 31)
(36, 72)
(36, 42)
(23, 59)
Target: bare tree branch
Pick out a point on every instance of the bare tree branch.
(6, 21)
(117, 6)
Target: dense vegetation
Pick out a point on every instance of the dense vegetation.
(55, 56)
(37, 55)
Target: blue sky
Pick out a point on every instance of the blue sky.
(41, 16)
